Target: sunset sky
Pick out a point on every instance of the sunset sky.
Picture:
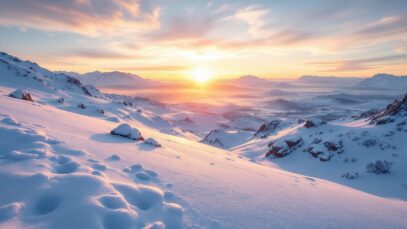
(167, 39)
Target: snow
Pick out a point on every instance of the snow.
(196, 187)
(333, 150)
(61, 167)
(226, 139)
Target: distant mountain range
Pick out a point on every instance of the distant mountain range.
(250, 81)
(326, 80)
(113, 79)
(385, 81)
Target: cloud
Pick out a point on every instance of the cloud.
(156, 68)
(95, 54)
(360, 64)
(87, 17)
(385, 27)
(254, 17)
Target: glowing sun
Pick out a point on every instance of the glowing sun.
(201, 75)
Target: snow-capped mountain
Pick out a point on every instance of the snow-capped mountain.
(114, 79)
(250, 81)
(384, 81)
(328, 80)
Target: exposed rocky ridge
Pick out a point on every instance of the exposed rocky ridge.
(268, 129)
(397, 109)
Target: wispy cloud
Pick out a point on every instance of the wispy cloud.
(159, 35)
(95, 54)
(254, 17)
(360, 64)
(81, 16)
(155, 68)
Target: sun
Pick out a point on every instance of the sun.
(201, 75)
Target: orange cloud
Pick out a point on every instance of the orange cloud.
(81, 16)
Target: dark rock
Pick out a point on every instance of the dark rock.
(350, 175)
(293, 143)
(284, 147)
(267, 129)
(275, 151)
(313, 123)
(379, 167)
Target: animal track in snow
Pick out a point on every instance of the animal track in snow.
(140, 174)
(46, 204)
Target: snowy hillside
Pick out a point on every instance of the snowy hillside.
(367, 153)
(14, 71)
(71, 160)
(385, 81)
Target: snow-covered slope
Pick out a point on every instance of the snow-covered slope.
(385, 81)
(26, 74)
(62, 168)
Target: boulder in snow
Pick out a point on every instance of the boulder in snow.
(21, 94)
(100, 110)
(313, 123)
(282, 148)
(153, 142)
(81, 105)
(268, 129)
(125, 130)
(379, 167)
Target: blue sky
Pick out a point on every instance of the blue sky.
(166, 39)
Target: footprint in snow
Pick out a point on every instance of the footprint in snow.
(99, 167)
(114, 157)
(149, 200)
(11, 121)
(141, 174)
(46, 204)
